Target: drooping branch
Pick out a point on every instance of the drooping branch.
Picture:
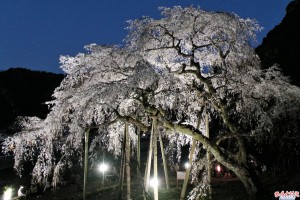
(211, 146)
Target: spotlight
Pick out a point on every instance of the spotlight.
(103, 167)
(7, 194)
(187, 165)
(154, 182)
(218, 168)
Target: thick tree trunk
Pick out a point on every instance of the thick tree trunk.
(244, 172)
(250, 181)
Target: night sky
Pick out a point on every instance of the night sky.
(34, 33)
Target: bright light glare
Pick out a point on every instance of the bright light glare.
(154, 182)
(218, 168)
(187, 165)
(103, 167)
(7, 194)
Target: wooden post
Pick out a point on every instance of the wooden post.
(122, 168)
(164, 160)
(103, 173)
(127, 146)
(138, 146)
(86, 154)
(148, 164)
(138, 168)
(188, 170)
(155, 189)
(208, 155)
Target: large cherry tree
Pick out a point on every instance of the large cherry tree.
(171, 69)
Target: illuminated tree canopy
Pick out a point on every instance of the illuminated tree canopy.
(172, 68)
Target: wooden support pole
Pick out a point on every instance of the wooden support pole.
(155, 188)
(127, 150)
(164, 161)
(122, 168)
(188, 170)
(148, 164)
(208, 167)
(86, 154)
(138, 168)
(138, 151)
(103, 173)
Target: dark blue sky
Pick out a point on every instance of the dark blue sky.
(34, 33)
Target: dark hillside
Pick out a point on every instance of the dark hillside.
(282, 44)
(23, 93)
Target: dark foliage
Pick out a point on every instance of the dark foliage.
(282, 44)
(24, 92)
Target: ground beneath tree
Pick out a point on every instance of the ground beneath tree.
(223, 189)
